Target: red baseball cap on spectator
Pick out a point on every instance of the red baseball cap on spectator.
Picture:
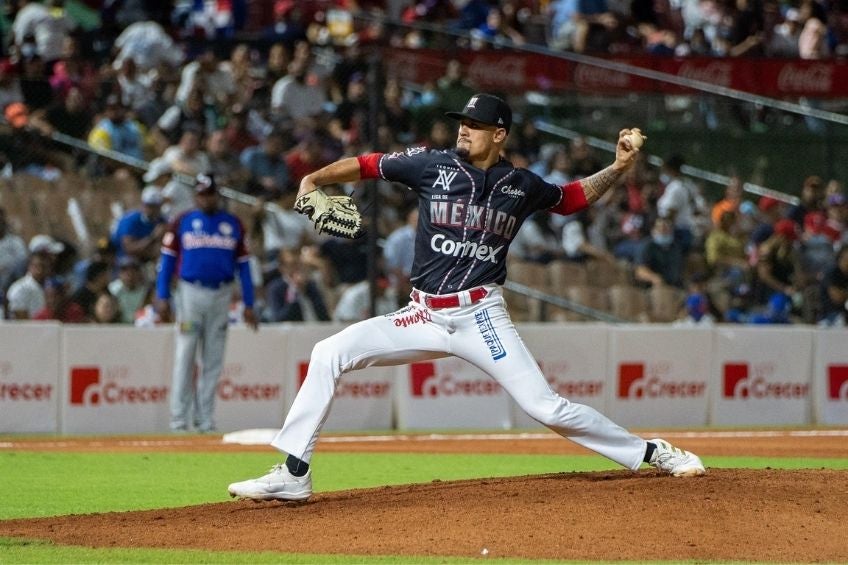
(16, 114)
(787, 229)
(766, 203)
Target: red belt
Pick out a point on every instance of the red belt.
(439, 301)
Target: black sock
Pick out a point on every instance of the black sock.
(296, 467)
(649, 452)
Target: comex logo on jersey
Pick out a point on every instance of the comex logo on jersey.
(441, 244)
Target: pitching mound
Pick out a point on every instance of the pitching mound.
(765, 515)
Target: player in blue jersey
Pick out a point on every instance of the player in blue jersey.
(205, 248)
(471, 203)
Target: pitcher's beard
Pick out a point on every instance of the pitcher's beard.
(462, 153)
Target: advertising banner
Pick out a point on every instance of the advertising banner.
(115, 379)
(251, 390)
(363, 398)
(450, 393)
(763, 376)
(573, 359)
(659, 375)
(830, 377)
(29, 377)
(513, 71)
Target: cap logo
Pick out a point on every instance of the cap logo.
(500, 121)
(471, 103)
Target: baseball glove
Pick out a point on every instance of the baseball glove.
(334, 215)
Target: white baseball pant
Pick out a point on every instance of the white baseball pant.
(483, 334)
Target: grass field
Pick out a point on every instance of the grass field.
(43, 483)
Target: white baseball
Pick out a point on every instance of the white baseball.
(636, 138)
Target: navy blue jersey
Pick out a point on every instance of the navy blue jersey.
(467, 216)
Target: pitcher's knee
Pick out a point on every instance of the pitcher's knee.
(325, 354)
(548, 411)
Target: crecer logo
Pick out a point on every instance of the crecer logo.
(356, 389)
(634, 381)
(25, 391)
(87, 389)
(230, 390)
(738, 383)
(427, 384)
(837, 380)
(557, 371)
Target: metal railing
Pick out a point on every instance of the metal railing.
(560, 302)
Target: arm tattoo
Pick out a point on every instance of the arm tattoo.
(596, 185)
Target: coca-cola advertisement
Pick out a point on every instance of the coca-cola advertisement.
(514, 71)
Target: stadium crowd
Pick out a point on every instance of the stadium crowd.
(261, 114)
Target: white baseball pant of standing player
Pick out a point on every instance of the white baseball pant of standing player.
(202, 317)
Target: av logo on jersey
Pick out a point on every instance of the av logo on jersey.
(742, 381)
(837, 381)
(427, 383)
(91, 387)
(445, 179)
(641, 380)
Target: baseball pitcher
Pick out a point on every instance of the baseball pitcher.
(472, 202)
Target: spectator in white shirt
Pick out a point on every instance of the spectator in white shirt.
(682, 204)
(148, 45)
(299, 94)
(211, 77)
(26, 295)
(187, 157)
(399, 248)
(355, 302)
(34, 20)
(13, 253)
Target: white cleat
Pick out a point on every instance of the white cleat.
(675, 461)
(278, 484)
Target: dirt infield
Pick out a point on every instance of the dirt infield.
(767, 515)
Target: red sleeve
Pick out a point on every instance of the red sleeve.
(573, 199)
(369, 165)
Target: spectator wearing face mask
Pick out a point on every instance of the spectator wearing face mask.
(661, 261)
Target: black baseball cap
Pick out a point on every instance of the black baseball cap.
(486, 109)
